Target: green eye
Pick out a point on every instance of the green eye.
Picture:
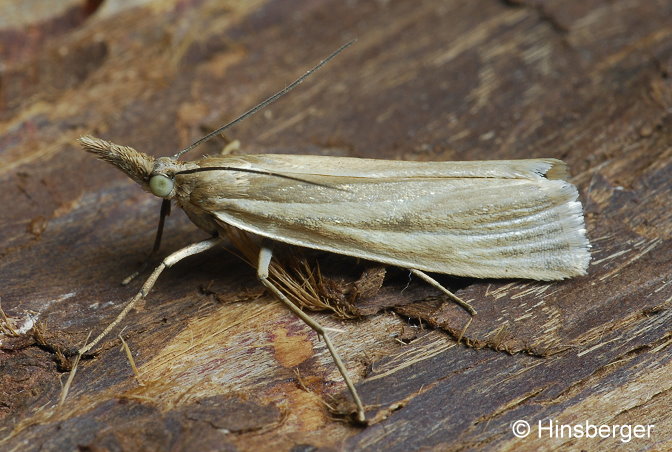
(161, 185)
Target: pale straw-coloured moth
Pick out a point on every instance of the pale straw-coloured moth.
(483, 219)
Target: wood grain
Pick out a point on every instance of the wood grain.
(587, 82)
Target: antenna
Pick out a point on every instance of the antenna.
(266, 102)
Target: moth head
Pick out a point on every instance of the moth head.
(154, 175)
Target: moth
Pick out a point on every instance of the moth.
(482, 219)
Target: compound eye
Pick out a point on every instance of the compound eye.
(161, 185)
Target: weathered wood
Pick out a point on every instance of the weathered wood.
(588, 82)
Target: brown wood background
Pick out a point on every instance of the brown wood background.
(586, 81)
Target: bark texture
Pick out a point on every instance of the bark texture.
(223, 365)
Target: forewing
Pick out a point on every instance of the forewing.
(509, 221)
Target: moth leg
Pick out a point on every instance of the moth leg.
(165, 211)
(265, 255)
(169, 261)
(434, 283)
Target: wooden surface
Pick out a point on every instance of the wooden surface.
(585, 81)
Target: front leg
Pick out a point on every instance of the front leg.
(169, 261)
